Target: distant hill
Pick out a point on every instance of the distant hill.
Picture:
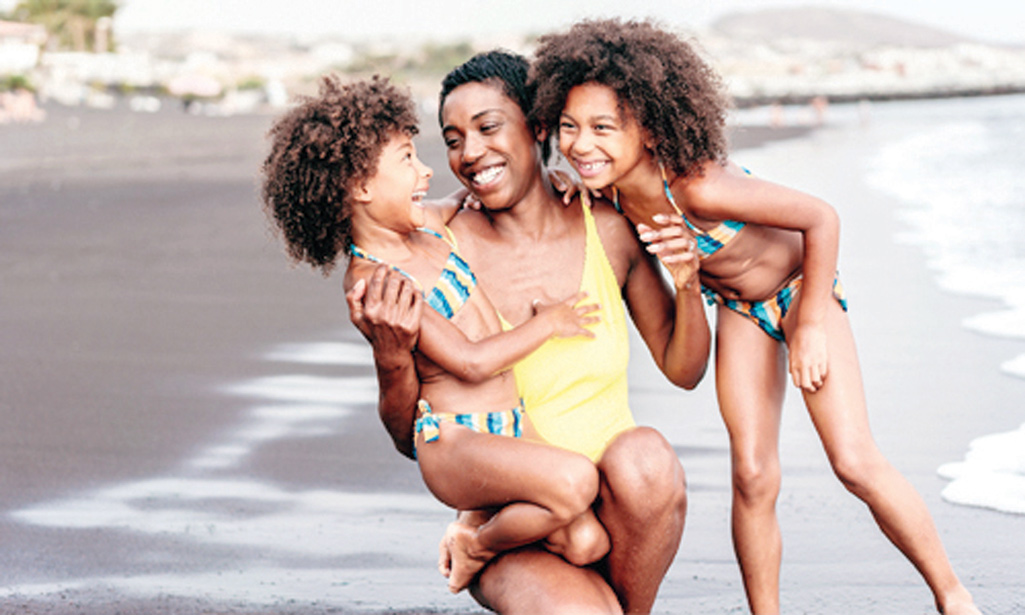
(851, 27)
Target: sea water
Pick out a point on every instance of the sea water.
(959, 168)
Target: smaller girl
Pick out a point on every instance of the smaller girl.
(343, 175)
(637, 112)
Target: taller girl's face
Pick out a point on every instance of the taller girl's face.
(491, 149)
(603, 142)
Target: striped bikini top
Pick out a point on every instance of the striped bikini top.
(708, 242)
(454, 285)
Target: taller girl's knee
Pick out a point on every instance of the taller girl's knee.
(756, 482)
(860, 471)
(640, 468)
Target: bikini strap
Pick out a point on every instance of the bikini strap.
(360, 252)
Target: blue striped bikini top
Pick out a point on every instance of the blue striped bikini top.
(708, 242)
(454, 285)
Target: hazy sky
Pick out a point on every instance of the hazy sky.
(989, 20)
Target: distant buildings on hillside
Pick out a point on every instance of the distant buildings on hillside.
(219, 73)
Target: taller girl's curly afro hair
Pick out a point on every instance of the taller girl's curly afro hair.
(321, 150)
(658, 78)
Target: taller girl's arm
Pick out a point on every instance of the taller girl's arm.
(725, 195)
(475, 361)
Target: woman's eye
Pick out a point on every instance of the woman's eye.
(488, 128)
(451, 143)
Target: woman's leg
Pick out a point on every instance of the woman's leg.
(839, 413)
(532, 581)
(537, 489)
(751, 382)
(642, 504)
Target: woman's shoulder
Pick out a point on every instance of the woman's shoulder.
(613, 227)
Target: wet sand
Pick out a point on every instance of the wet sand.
(190, 426)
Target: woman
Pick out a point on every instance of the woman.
(526, 247)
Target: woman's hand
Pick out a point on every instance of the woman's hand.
(567, 318)
(675, 247)
(809, 359)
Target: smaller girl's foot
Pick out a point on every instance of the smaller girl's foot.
(466, 558)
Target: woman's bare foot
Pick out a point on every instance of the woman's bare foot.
(465, 556)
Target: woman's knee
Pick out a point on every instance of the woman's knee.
(641, 467)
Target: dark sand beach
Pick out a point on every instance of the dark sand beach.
(189, 425)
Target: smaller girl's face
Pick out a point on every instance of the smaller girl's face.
(602, 141)
(396, 190)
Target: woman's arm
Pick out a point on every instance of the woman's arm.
(446, 345)
(386, 308)
(674, 328)
(672, 325)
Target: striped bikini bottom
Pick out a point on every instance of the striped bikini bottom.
(502, 423)
(769, 314)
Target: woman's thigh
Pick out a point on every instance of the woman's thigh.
(532, 581)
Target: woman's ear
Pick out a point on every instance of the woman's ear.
(541, 134)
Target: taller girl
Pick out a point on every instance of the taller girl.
(637, 112)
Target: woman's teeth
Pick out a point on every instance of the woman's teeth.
(487, 175)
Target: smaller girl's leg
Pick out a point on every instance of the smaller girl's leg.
(538, 489)
(839, 413)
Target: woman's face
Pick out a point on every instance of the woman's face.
(491, 149)
(602, 141)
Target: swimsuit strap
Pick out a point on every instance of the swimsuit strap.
(360, 252)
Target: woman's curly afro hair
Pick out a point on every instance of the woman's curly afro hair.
(321, 150)
(658, 78)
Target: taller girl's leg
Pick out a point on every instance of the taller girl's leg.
(839, 413)
(537, 489)
(751, 381)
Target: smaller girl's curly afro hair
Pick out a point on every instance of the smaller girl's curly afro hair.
(320, 151)
(658, 78)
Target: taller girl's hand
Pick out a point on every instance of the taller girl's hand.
(569, 187)
(809, 360)
(567, 318)
(674, 245)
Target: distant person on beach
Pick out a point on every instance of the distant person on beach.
(525, 246)
(343, 176)
(638, 114)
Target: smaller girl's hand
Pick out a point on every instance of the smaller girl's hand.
(569, 319)
(675, 247)
(809, 360)
(470, 201)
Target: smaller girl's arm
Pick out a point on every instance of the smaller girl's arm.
(446, 345)
(446, 207)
